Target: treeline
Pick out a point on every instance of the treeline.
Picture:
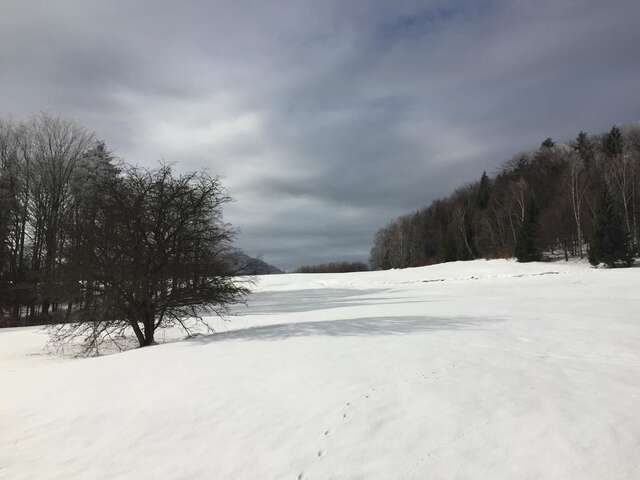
(334, 267)
(243, 264)
(46, 165)
(561, 200)
(89, 241)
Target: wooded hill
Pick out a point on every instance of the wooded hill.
(569, 200)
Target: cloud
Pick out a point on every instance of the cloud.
(326, 119)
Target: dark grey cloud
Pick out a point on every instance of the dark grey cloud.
(326, 119)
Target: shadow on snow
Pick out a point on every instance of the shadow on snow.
(369, 326)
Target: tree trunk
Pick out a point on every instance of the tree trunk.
(139, 335)
(149, 327)
(149, 339)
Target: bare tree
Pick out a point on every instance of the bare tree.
(59, 146)
(37, 160)
(150, 251)
(578, 184)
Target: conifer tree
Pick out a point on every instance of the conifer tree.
(585, 149)
(483, 191)
(613, 143)
(527, 249)
(548, 143)
(610, 240)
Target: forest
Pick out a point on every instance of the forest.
(333, 267)
(99, 246)
(576, 199)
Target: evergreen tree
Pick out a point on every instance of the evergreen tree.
(484, 191)
(610, 240)
(527, 249)
(584, 147)
(613, 143)
(449, 250)
(548, 143)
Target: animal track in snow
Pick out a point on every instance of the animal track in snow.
(327, 432)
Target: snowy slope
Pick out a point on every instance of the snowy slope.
(484, 369)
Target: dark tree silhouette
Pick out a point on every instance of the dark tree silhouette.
(334, 267)
(484, 191)
(548, 143)
(150, 251)
(610, 240)
(527, 249)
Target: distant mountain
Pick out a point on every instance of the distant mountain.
(246, 265)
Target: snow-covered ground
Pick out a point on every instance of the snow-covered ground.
(483, 370)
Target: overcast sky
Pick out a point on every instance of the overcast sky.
(325, 118)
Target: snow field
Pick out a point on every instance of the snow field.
(483, 369)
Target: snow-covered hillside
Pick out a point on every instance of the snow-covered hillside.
(484, 369)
